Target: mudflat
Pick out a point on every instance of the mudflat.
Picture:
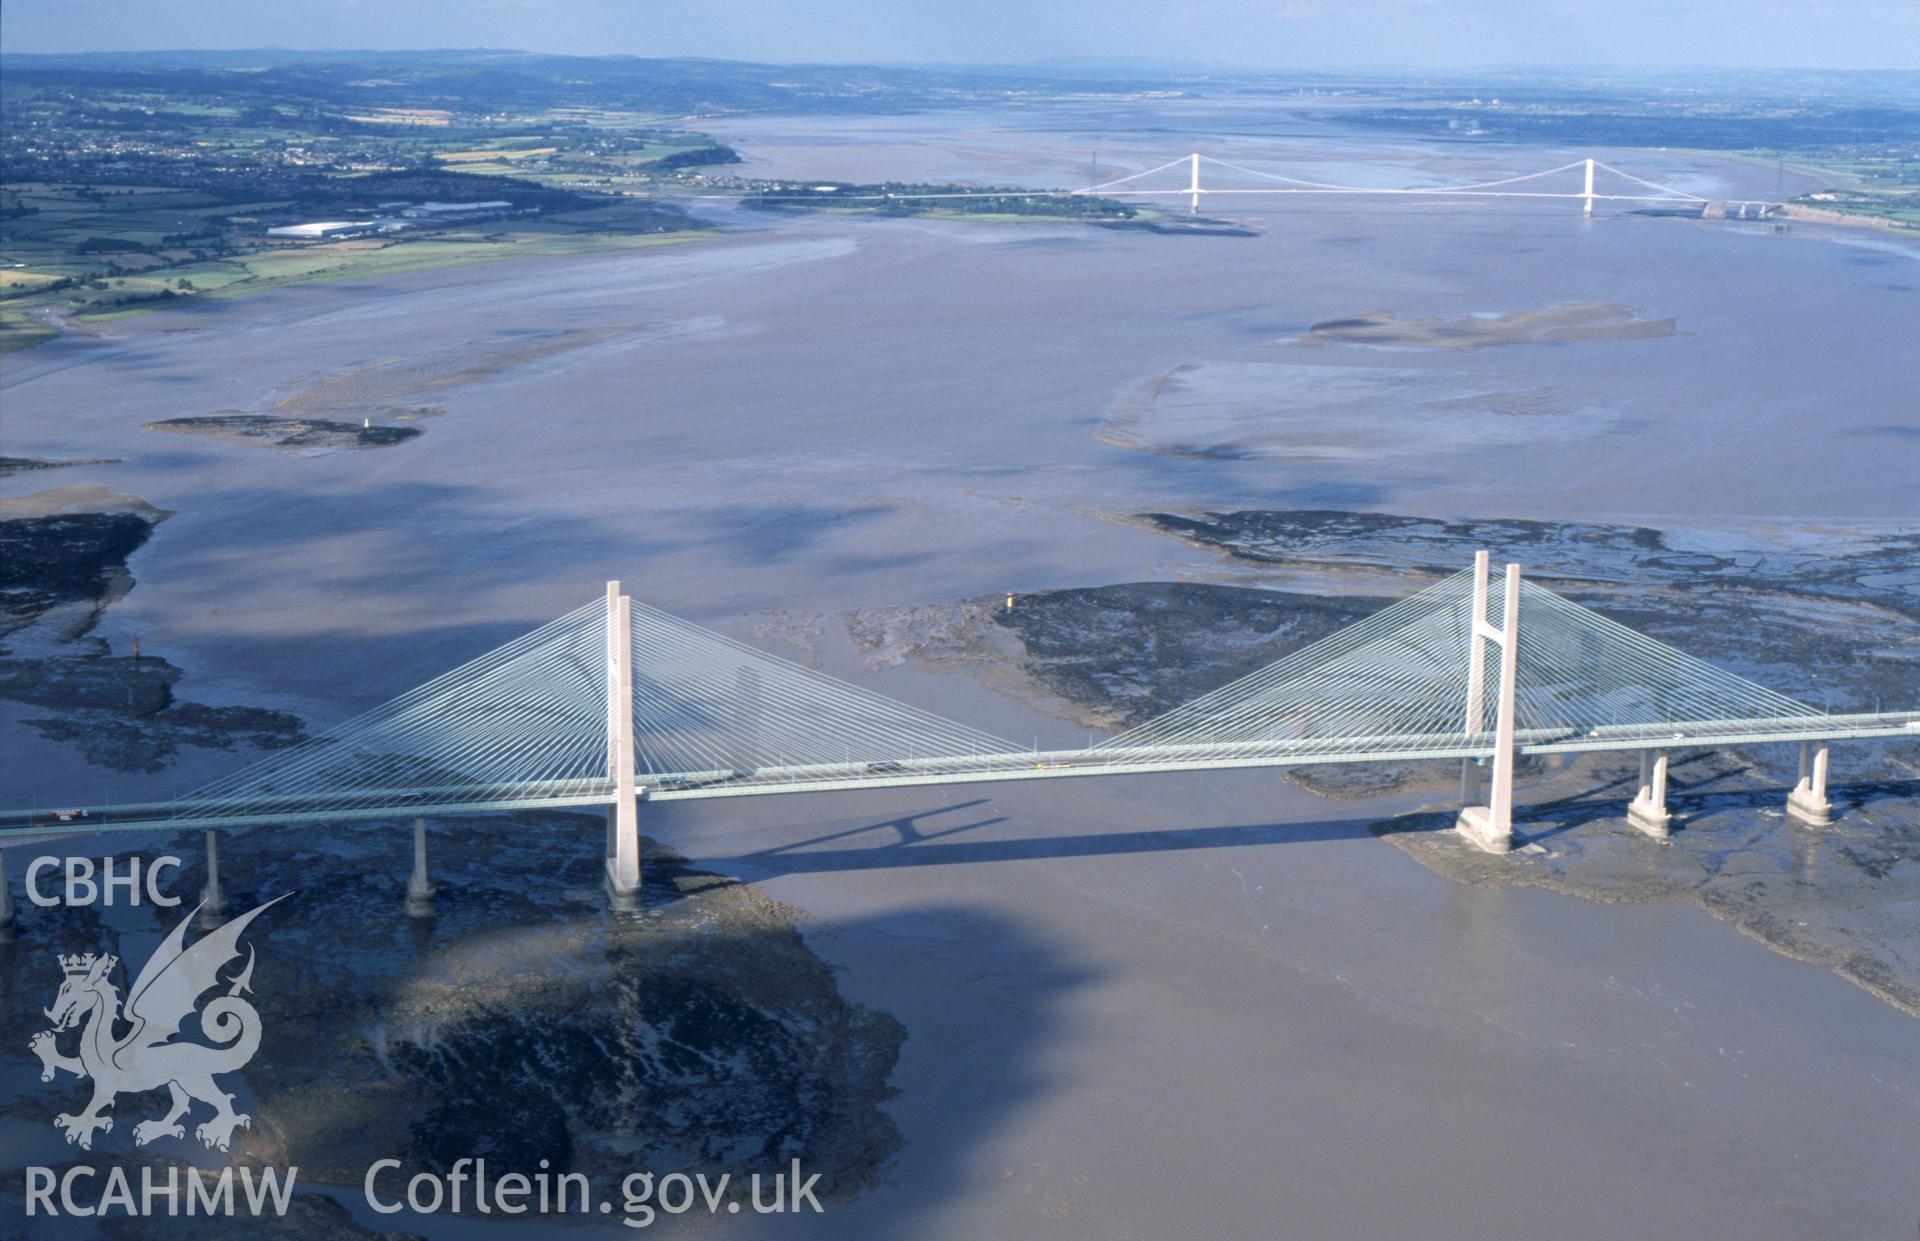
(1147, 1006)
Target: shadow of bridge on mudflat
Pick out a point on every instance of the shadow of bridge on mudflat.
(912, 844)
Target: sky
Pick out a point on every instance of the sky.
(1281, 34)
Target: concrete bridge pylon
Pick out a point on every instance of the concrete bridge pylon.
(1491, 826)
(623, 815)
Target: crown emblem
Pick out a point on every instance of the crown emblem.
(78, 964)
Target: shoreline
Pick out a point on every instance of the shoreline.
(60, 323)
(97, 325)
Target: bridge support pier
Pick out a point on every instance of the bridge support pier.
(213, 902)
(1648, 810)
(1808, 801)
(1480, 827)
(623, 816)
(623, 856)
(1491, 826)
(1473, 779)
(7, 917)
(420, 889)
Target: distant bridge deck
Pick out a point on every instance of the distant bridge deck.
(1580, 181)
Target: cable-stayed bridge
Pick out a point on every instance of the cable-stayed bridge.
(1194, 177)
(617, 704)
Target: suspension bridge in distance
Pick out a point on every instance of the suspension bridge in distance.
(617, 705)
(1633, 189)
(1586, 181)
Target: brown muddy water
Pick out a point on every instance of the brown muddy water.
(1182, 1005)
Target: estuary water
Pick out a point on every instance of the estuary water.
(1227, 1009)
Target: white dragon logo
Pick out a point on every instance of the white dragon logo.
(144, 1057)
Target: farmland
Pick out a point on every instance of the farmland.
(123, 193)
(130, 182)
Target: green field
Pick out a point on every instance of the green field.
(63, 260)
(1876, 183)
(133, 294)
(1873, 189)
(96, 225)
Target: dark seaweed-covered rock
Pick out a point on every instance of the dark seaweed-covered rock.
(64, 558)
(1126, 653)
(296, 434)
(118, 710)
(149, 742)
(136, 688)
(1831, 623)
(1879, 568)
(22, 465)
(523, 1023)
(1345, 539)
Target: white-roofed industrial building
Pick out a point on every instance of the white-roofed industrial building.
(320, 229)
(408, 216)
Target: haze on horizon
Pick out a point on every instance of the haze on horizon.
(1276, 34)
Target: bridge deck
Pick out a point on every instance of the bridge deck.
(970, 769)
